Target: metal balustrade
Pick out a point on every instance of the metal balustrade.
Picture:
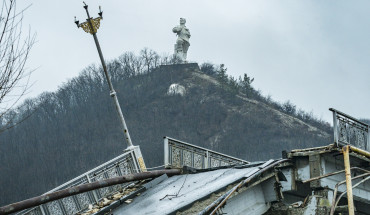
(350, 131)
(127, 163)
(178, 154)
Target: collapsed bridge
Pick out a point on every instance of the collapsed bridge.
(332, 179)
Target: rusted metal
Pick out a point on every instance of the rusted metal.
(313, 148)
(335, 203)
(333, 173)
(347, 167)
(360, 151)
(35, 201)
(354, 186)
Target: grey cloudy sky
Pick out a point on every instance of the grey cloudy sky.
(313, 53)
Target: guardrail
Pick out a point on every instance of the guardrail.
(127, 163)
(350, 131)
(179, 154)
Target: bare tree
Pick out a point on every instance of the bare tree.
(132, 65)
(15, 46)
(150, 58)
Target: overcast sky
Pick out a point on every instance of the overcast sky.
(313, 53)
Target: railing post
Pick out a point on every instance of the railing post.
(61, 205)
(166, 153)
(94, 192)
(206, 160)
(75, 200)
(335, 127)
(134, 161)
(139, 158)
(42, 209)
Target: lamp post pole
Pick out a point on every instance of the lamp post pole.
(91, 26)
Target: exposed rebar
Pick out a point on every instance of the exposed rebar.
(333, 173)
(334, 203)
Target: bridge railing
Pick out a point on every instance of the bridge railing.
(350, 131)
(126, 163)
(178, 154)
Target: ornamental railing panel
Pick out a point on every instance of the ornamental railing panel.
(350, 131)
(179, 154)
(124, 164)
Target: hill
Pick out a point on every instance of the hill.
(76, 128)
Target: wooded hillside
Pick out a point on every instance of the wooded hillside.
(76, 128)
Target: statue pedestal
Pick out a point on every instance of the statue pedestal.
(181, 67)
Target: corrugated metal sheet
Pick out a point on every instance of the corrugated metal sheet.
(179, 191)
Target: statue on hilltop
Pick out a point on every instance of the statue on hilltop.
(182, 42)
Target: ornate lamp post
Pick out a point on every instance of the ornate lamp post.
(91, 26)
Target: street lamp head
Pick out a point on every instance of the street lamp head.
(91, 25)
(77, 22)
(100, 12)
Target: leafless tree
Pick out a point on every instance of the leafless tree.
(15, 46)
(150, 58)
(132, 65)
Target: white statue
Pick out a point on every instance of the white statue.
(182, 42)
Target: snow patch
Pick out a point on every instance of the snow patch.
(176, 89)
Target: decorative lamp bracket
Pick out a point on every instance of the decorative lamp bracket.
(95, 25)
(91, 25)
